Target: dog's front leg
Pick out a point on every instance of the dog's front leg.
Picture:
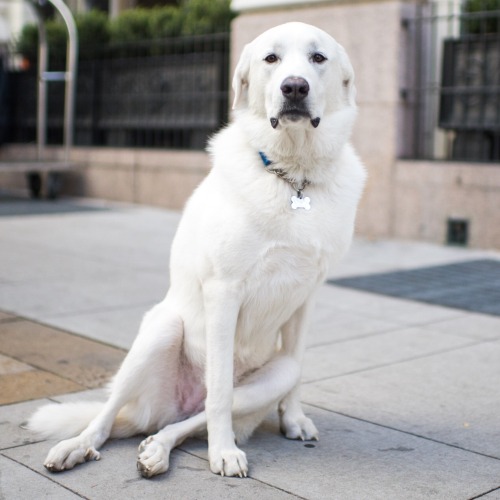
(222, 304)
(294, 424)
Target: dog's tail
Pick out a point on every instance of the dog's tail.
(62, 421)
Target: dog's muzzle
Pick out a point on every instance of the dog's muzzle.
(295, 90)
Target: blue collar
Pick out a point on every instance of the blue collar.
(265, 160)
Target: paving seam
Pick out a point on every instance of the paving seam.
(67, 332)
(397, 328)
(360, 336)
(409, 433)
(482, 495)
(423, 356)
(247, 477)
(44, 476)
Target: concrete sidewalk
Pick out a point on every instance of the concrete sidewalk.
(406, 395)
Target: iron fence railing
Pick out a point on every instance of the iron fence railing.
(169, 93)
(451, 88)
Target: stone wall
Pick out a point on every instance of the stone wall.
(403, 199)
(152, 177)
(428, 194)
(371, 34)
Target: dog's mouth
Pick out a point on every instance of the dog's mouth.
(294, 115)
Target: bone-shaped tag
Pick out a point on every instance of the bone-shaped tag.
(304, 203)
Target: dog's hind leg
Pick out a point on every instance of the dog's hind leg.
(135, 404)
(293, 423)
(252, 400)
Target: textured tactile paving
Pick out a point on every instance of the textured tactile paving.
(471, 285)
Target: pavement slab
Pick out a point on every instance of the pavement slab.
(400, 311)
(7, 317)
(117, 325)
(18, 481)
(359, 460)
(10, 365)
(404, 394)
(12, 418)
(475, 326)
(33, 384)
(115, 476)
(80, 360)
(362, 354)
(451, 397)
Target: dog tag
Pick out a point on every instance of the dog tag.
(301, 202)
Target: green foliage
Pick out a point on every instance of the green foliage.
(131, 25)
(485, 16)
(165, 22)
(205, 16)
(93, 32)
(96, 31)
(27, 43)
(56, 39)
(192, 17)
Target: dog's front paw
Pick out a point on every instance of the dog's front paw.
(229, 462)
(153, 458)
(299, 427)
(66, 454)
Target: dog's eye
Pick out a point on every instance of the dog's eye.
(271, 58)
(318, 58)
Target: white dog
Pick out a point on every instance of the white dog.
(256, 240)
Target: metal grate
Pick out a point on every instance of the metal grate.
(170, 93)
(451, 86)
(472, 285)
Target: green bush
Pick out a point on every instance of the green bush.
(480, 25)
(27, 43)
(93, 32)
(131, 25)
(165, 22)
(96, 31)
(205, 16)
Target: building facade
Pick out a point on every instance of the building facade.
(396, 48)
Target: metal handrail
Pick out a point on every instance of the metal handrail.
(44, 76)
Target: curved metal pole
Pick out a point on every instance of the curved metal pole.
(69, 76)
(71, 68)
(41, 117)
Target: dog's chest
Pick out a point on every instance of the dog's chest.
(282, 279)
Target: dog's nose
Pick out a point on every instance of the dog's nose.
(295, 88)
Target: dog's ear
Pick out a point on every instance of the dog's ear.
(240, 78)
(347, 76)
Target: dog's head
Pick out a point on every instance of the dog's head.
(294, 74)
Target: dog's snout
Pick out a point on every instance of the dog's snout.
(295, 88)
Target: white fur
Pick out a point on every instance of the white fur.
(226, 344)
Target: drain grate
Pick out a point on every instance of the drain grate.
(471, 285)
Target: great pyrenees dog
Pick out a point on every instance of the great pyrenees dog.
(256, 240)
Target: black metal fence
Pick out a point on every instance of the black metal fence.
(169, 93)
(451, 92)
